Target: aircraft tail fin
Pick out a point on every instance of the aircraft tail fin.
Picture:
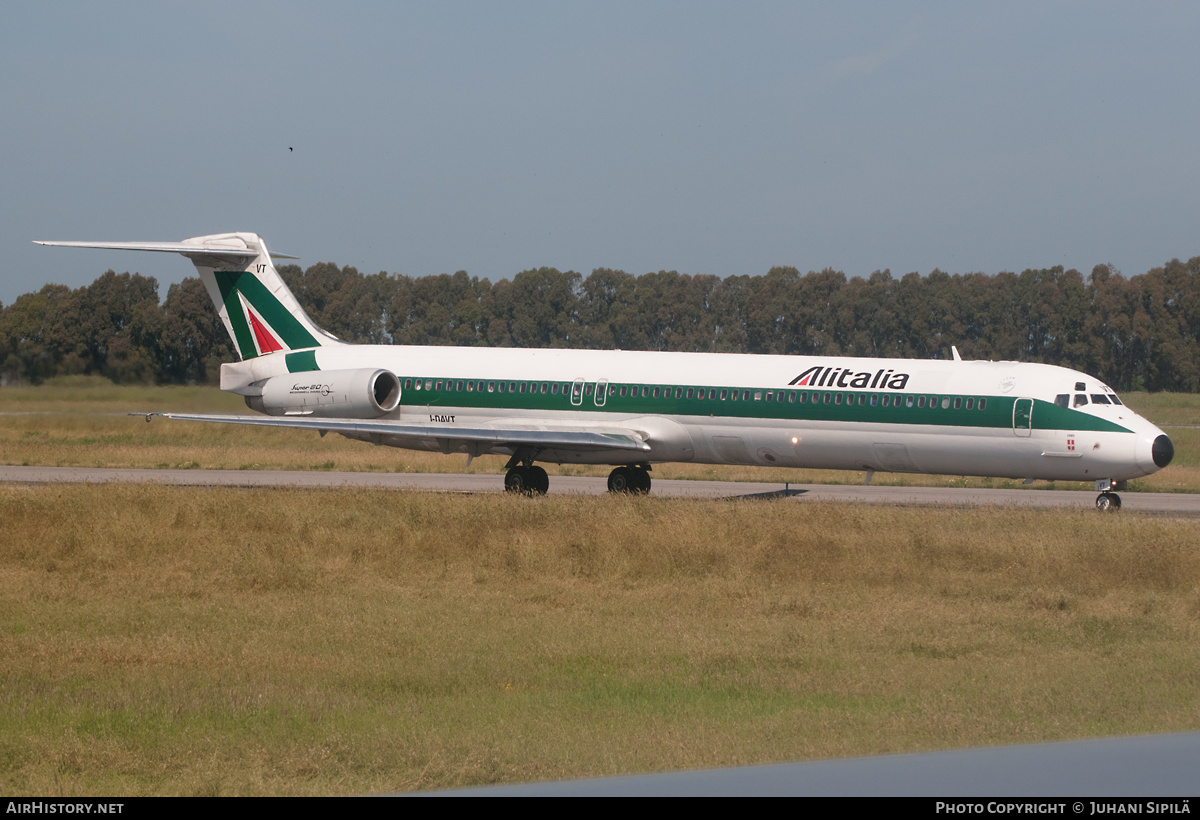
(260, 314)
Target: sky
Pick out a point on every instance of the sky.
(707, 138)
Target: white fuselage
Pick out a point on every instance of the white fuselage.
(945, 417)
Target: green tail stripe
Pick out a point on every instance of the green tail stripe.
(281, 321)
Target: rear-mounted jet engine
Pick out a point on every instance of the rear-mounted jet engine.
(335, 394)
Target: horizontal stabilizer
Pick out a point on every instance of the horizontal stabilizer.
(241, 252)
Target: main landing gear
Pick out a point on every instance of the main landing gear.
(631, 479)
(526, 478)
(1108, 500)
(531, 480)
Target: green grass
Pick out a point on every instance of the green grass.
(177, 641)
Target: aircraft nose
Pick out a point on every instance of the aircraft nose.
(1162, 451)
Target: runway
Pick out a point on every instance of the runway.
(1169, 504)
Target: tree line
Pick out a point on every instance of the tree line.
(1138, 332)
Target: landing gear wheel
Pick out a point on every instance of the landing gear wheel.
(526, 481)
(518, 480)
(641, 481)
(620, 480)
(633, 480)
(1108, 501)
(539, 481)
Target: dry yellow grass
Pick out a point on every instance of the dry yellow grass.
(173, 641)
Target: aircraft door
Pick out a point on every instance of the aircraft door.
(1023, 417)
(601, 392)
(577, 392)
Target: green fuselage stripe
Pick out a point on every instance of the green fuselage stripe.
(805, 405)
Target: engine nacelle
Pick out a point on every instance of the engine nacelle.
(333, 394)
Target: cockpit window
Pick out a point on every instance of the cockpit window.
(1063, 400)
(1113, 398)
(1080, 399)
(1099, 398)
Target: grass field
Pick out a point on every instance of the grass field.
(178, 641)
(81, 421)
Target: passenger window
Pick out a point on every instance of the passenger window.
(909, 402)
(791, 397)
(417, 386)
(827, 395)
(458, 387)
(837, 398)
(874, 400)
(589, 389)
(1080, 399)
(656, 392)
(470, 387)
(723, 394)
(804, 397)
(554, 389)
(438, 386)
(945, 402)
(491, 387)
(983, 404)
(958, 402)
(544, 388)
(920, 401)
(758, 395)
(407, 384)
(887, 400)
(971, 403)
(689, 392)
(512, 387)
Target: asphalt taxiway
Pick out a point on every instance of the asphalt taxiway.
(1170, 504)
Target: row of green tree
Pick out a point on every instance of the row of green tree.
(1136, 332)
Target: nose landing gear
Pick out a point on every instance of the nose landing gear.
(1109, 500)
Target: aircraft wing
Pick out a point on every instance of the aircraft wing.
(480, 439)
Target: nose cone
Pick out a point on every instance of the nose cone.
(1162, 451)
(1154, 450)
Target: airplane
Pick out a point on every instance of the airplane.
(632, 409)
